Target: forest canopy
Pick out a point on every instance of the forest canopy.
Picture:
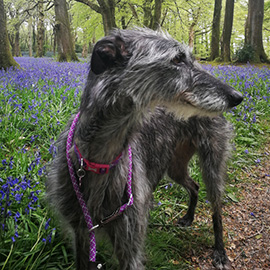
(32, 25)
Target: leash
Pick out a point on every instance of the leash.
(76, 186)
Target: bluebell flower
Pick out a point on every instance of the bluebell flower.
(4, 162)
(17, 216)
(18, 197)
(47, 224)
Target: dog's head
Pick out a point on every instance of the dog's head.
(153, 68)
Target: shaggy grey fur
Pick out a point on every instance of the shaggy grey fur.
(133, 72)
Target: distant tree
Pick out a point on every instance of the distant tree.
(253, 29)
(216, 31)
(65, 46)
(16, 19)
(152, 14)
(227, 31)
(40, 29)
(30, 36)
(6, 59)
(195, 15)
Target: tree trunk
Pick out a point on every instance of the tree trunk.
(191, 35)
(40, 30)
(157, 15)
(34, 36)
(253, 29)
(192, 27)
(216, 30)
(30, 36)
(63, 33)
(54, 41)
(6, 59)
(152, 17)
(227, 31)
(17, 49)
(108, 15)
(147, 13)
(107, 10)
(85, 45)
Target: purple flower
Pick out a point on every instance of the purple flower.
(4, 162)
(17, 216)
(47, 224)
(18, 197)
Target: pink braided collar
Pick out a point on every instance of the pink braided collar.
(95, 167)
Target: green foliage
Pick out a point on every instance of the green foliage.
(245, 54)
(177, 17)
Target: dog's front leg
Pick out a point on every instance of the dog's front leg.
(213, 152)
(220, 259)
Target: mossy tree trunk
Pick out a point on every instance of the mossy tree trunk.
(253, 30)
(6, 59)
(65, 46)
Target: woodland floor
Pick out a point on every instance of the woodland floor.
(246, 223)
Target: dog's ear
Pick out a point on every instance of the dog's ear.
(107, 53)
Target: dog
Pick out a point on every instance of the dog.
(146, 108)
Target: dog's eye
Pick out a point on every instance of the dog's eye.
(178, 59)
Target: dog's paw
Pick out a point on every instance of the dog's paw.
(221, 261)
(185, 221)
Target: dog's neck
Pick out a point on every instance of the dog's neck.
(103, 133)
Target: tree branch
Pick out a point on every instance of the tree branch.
(30, 9)
(90, 4)
(48, 8)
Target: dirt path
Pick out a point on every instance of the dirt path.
(247, 223)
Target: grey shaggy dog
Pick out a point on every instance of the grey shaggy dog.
(145, 90)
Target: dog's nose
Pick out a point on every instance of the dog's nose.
(235, 99)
